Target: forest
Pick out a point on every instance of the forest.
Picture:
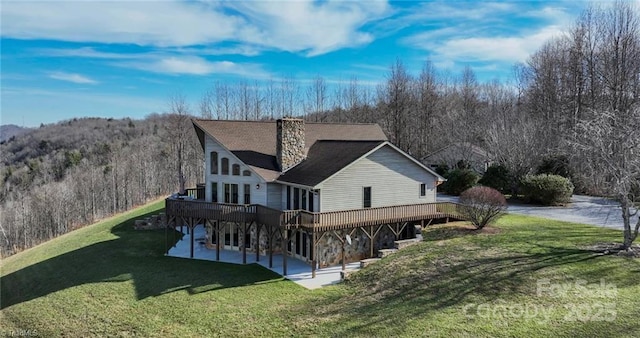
(573, 107)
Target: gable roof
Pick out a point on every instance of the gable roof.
(324, 159)
(328, 158)
(254, 142)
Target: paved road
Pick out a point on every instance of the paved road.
(582, 209)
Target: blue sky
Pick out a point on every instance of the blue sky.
(125, 58)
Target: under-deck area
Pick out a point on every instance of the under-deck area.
(266, 235)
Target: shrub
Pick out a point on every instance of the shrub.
(546, 189)
(482, 205)
(459, 180)
(497, 177)
(555, 165)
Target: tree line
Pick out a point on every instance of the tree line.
(62, 176)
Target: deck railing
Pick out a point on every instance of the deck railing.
(370, 216)
(188, 207)
(195, 193)
(332, 220)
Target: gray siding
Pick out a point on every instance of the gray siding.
(274, 196)
(393, 178)
(258, 196)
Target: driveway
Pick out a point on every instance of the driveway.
(582, 209)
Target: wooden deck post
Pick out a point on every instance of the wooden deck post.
(371, 241)
(284, 252)
(192, 236)
(257, 242)
(166, 238)
(271, 235)
(244, 239)
(175, 236)
(344, 263)
(217, 231)
(313, 255)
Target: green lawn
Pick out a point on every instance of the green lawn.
(109, 280)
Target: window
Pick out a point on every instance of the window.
(288, 198)
(296, 198)
(236, 170)
(225, 166)
(304, 199)
(310, 201)
(246, 173)
(231, 193)
(214, 162)
(423, 190)
(366, 197)
(214, 192)
(247, 194)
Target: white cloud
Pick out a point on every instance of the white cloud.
(297, 26)
(161, 23)
(72, 77)
(485, 33)
(83, 52)
(316, 28)
(194, 65)
(505, 49)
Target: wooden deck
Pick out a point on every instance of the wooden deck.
(316, 221)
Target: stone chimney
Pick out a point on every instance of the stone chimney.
(289, 142)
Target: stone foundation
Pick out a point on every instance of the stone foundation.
(330, 248)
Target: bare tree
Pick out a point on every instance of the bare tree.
(396, 97)
(608, 146)
(317, 96)
(514, 139)
(178, 111)
(207, 104)
(427, 105)
(272, 99)
(224, 101)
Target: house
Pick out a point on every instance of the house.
(455, 154)
(329, 193)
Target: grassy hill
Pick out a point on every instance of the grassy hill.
(524, 277)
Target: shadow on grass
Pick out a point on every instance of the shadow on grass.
(427, 279)
(455, 230)
(136, 256)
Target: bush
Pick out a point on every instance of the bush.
(459, 180)
(555, 165)
(546, 189)
(497, 177)
(482, 205)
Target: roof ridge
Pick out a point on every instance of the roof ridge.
(273, 121)
(342, 140)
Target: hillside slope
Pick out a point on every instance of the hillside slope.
(62, 176)
(8, 131)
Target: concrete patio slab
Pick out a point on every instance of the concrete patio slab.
(297, 270)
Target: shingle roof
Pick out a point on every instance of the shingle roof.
(254, 142)
(326, 158)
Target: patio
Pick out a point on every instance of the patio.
(298, 271)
